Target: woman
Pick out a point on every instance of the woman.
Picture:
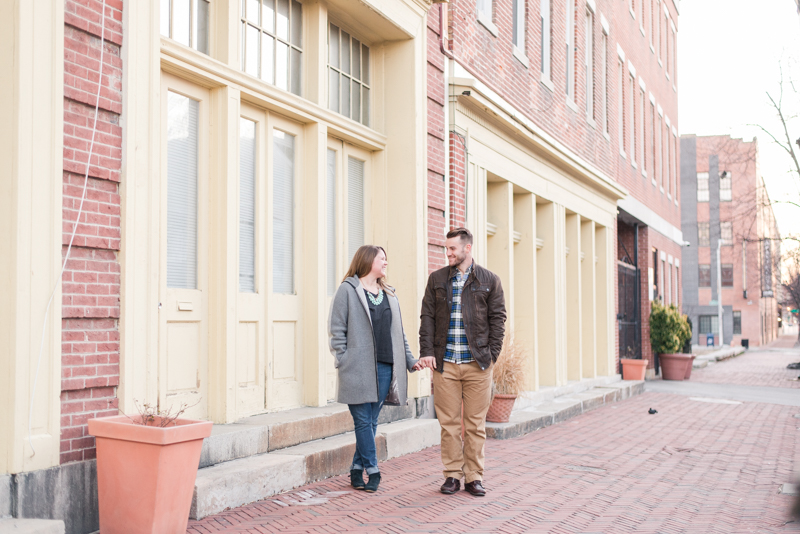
(372, 354)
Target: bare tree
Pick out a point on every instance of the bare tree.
(791, 281)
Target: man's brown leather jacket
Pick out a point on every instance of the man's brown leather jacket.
(483, 307)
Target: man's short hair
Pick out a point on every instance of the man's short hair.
(462, 233)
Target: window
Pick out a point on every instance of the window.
(677, 286)
(726, 271)
(348, 75)
(183, 116)
(671, 178)
(726, 232)
(570, 51)
(632, 94)
(283, 213)
(666, 45)
(709, 324)
(673, 69)
(703, 234)
(272, 42)
(621, 106)
(485, 9)
(186, 21)
(330, 220)
(355, 206)
(654, 6)
(725, 186)
(518, 30)
(655, 274)
(644, 133)
(737, 323)
(704, 275)
(669, 287)
(247, 206)
(589, 64)
(660, 53)
(677, 183)
(653, 137)
(544, 13)
(702, 187)
(604, 50)
(666, 174)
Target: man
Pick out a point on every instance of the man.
(461, 334)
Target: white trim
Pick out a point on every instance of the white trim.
(620, 53)
(547, 82)
(669, 259)
(631, 69)
(642, 84)
(674, 132)
(677, 262)
(487, 23)
(650, 218)
(521, 57)
(604, 24)
(666, 121)
(591, 5)
(666, 9)
(660, 111)
(663, 255)
(652, 99)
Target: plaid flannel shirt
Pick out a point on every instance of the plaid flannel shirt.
(457, 350)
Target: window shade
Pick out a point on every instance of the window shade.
(355, 206)
(330, 220)
(247, 206)
(182, 170)
(283, 213)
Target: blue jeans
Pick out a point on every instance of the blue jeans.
(365, 420)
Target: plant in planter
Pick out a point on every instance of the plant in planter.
(146, 469)
(669, 331)
(508, 380)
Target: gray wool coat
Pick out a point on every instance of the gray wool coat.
(353, 346)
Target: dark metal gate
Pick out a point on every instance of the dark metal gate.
(630, 342)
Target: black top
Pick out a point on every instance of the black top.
(382, 326)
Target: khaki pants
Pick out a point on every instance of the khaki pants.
(469, 383)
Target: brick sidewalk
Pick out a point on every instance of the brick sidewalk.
(756, 367)
(694, 467)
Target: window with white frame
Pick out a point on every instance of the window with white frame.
(702, 187)
(606, 103)
(632, 93)
(330, 220)
(272, 42)
(485, 9)
(666, 45)
(518, 23)
(544, 14)
(644, 131)
(666, 175)
(247, 206)
(589, 53)
(660, 37)
(355, 206)
(183, 116)
(653, 138)
(726, 232)
(570, 51)
(674, 169)
(660, 165)
(677, 185)
(348, 75)
(186, 21)
(654, 7)
(673, 70)
(621, 106)
(283, 199)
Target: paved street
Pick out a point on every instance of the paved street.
(705, 463)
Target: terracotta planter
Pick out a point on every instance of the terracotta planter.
(673, 366)
(146, 474)
(633, 369)
(689, 367)
(500, 409)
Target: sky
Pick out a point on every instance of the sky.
(729, 55)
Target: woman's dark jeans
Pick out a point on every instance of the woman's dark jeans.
(365, 419)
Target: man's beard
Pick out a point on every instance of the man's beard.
(458, 259)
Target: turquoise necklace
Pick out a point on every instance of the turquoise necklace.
(376, 301)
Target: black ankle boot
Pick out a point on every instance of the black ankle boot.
(372, 484)
(357, 479)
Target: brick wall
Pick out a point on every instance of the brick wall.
(437, 203)
(90, 303)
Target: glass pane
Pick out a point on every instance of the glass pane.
(247, 206)
(345, 96)
(365, 64)
(180, 21)
(345, 52)
(164, 18)
(330, 220)
(283, 214)
(244, 42)
(296, 71)
(282, 66)
(182, 176)
(253, 9)
(355, 206)
(201, 26)
(282, 26)
(333, 90)
(297, 24)
(355, 110)
(251, 52)
(333, 46)
(356, 50)
(268, 15)
(365, 106)
(267, 58)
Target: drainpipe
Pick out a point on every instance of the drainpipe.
(719, 293)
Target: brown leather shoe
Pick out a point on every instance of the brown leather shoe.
(475, 488)
(450, 486)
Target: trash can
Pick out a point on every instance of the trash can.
(746, 343)
(709, 340)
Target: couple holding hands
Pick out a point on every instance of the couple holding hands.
(462, 324)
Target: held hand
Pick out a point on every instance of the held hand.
(428, 362)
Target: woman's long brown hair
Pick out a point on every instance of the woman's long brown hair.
(362, 264)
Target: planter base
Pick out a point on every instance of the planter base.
(500, 409)
(673, 366)
(633, 369)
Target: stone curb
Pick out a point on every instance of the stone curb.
(562, 408)
(31, 526)
(238, 482)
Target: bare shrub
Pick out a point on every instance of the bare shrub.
(508, 374)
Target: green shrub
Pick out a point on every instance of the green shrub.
(669, 330)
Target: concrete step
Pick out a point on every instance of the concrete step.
(237, 482)
(264, 433)
(561, 408)
(31, 526)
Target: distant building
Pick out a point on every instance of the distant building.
(724, 200)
